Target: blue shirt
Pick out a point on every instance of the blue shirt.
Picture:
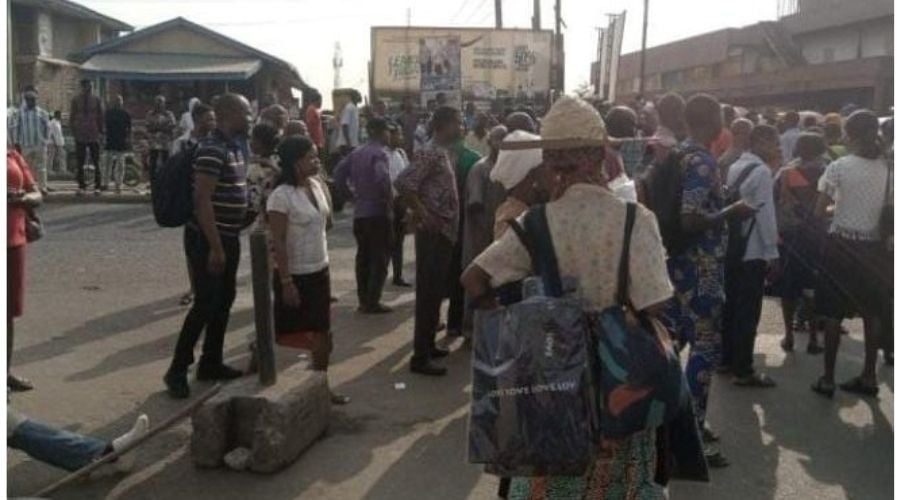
(223, 158)
(31, 127)
(366, 173)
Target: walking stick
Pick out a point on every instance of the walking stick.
(174, 419)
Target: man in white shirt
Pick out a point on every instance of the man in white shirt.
(745, 277)
(349, 130)
(398, 163)
(31, 135)
(790, 135)
(56, 144)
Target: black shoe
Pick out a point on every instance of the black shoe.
(402, 284)
(437, 352)
(18, 384)
(427, 368)
(177, 385)
(218, 372)
(454, 333)
(376, 309)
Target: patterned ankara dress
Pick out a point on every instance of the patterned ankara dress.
(698, 275)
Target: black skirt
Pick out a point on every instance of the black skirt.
(855, 279)
(314, 313)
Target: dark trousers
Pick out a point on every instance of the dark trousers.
(373, 251)
(81, 152)
(457, 295)
(399, 237)
(158, 158)
(744, 288)
(433, 254)
(213, 297)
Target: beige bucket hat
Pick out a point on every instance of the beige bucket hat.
(571, 123)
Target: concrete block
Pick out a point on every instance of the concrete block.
(276, 424)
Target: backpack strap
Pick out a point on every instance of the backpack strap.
(525, 239)
(546, 265)
(743, 176)
(625, 258)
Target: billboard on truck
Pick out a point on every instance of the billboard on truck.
(493, 63)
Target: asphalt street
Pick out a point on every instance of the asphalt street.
(101, 319)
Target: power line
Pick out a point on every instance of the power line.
(458, 12)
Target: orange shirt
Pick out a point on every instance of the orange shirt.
(314, 124)
(722, 143)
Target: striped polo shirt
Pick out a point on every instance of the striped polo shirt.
(223, 158)
(31, 127)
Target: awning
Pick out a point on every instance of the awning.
(170, 67)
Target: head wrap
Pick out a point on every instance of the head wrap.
(514, 165)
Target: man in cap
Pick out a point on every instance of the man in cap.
(585, 215)
(31, 136)
(520, 172)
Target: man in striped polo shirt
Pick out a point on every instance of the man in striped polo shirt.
(212, 244)
(31, 136)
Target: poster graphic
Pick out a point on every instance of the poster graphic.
(441, 70)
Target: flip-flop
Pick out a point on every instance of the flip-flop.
(823, 388)
(709, 436)
(857, 386)
(339, 399)
(717, 460)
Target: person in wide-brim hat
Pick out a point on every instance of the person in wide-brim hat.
(586, 223)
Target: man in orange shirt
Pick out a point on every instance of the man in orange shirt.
(314, 119)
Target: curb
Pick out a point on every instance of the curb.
(67, 198)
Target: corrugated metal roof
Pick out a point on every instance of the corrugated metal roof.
(75, 10)
(168, 67)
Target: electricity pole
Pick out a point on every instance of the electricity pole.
(644, 51)
(498, 13)
(536, 18)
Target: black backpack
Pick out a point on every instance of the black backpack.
(172, 190)
(662, 185)
(737, 240)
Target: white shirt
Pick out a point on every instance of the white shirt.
(758, 191)
(788, 141)
(350, 118)
(55, 134)
(398, 162)
(857, 186)
(307, 245)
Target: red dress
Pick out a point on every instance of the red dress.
(18, 180)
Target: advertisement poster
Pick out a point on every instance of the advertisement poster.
(440, 72)
(506, 63)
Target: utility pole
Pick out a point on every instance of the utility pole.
(644, 51)
(498, 13)
(560, 47)
(536, 18)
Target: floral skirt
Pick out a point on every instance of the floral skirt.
(623, 470)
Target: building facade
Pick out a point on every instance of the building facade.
(821, 56)
(42, 36)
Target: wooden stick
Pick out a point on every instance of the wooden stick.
(87, 469)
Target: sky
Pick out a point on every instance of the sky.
(304, 32)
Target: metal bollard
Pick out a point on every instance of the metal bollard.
(262, 307)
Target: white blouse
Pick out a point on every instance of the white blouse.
(857, 186)
(307, 245)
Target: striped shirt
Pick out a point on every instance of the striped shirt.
(31, 127)
(223, 158)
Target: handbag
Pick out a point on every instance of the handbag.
(34, 227)
(641, 383)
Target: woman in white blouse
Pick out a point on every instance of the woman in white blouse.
(856, 275)
(298, 212)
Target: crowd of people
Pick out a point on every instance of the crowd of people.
(778, 205)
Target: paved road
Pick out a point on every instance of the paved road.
(101, 318)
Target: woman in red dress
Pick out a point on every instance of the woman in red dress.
(22, 194)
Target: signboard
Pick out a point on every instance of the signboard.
(610, 50)
(439, 70)
(493, 63)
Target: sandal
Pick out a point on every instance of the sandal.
(814, 349)
(716, 460)
(755, 380)
(857, 386)
(824, 388)
(18, 384)
(787, 345)
(186, 299)
(709, 436)
(339, 399)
